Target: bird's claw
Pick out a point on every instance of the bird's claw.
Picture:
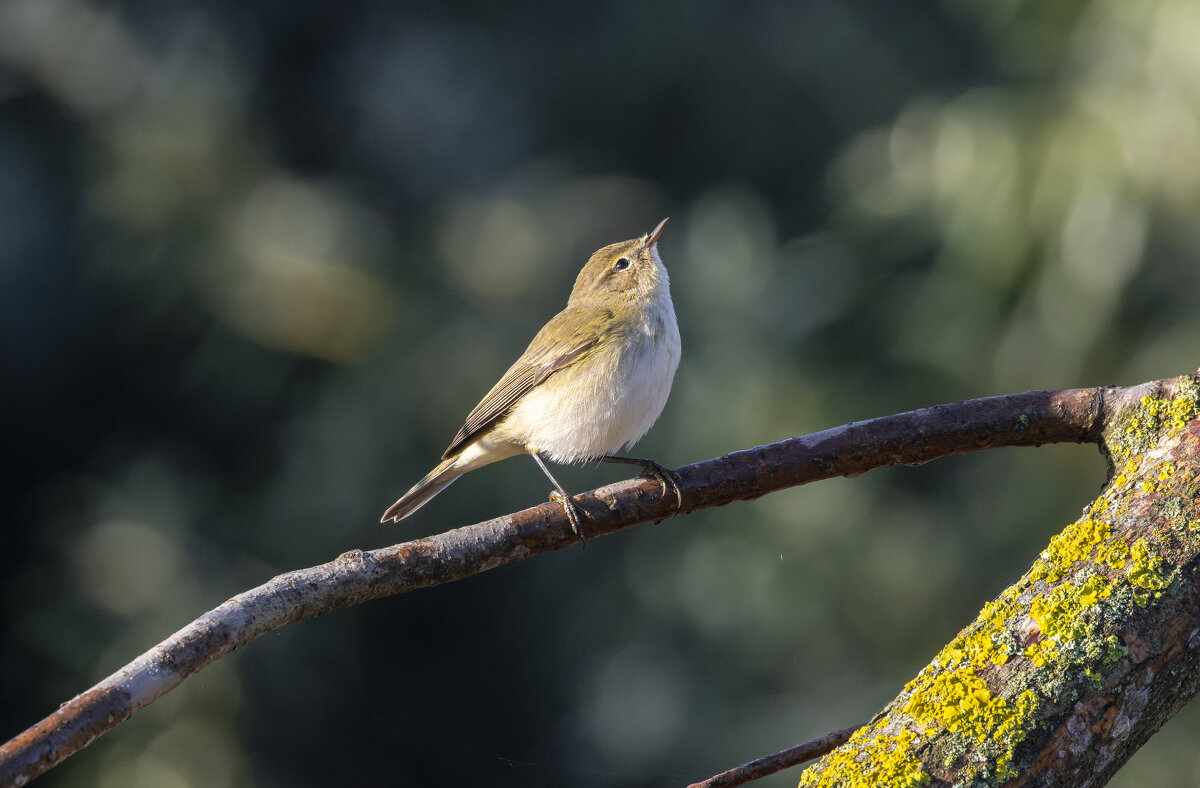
(665, 477)
(572, 511)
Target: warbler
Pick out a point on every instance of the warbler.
(591, 383)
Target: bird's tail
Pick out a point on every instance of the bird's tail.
(434, 482)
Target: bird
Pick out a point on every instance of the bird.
(591, 383)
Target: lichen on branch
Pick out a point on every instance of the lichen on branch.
(1072, 655)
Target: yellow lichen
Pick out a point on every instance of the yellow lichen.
(884, 760)
(1130, 470)
(1156, 413)
(952, 694)
(959, 701)
(1076, 543)
(1059, 616)
(1181, 411)
(1146, 572)
(1113, 554)
(1011, 731)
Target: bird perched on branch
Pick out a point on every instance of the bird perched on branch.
(590, 384)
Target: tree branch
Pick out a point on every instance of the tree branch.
(1030, 419)
(1069, 671)
(777, 762)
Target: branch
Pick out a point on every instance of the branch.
(1030, 419)
(1068, 672)
(769, 764)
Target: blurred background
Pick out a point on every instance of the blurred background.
(258, 260)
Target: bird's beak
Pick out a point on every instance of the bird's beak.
(652, 239)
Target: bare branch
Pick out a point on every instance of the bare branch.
(1030, 419)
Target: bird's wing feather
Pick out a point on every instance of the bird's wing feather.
(578, 330)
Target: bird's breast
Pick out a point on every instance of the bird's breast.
(607, 400)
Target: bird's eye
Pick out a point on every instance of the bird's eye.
(622, 264)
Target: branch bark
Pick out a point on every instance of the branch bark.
(913, 438)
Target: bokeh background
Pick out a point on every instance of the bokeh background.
(258, 260)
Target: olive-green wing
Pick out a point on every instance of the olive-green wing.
(568, 337)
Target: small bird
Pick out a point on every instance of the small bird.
(590, 384)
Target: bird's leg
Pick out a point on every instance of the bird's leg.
(562, 497)
(652, 470)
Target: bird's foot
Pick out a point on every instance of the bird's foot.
(652, 470)
(665, 477)
(573, 513)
